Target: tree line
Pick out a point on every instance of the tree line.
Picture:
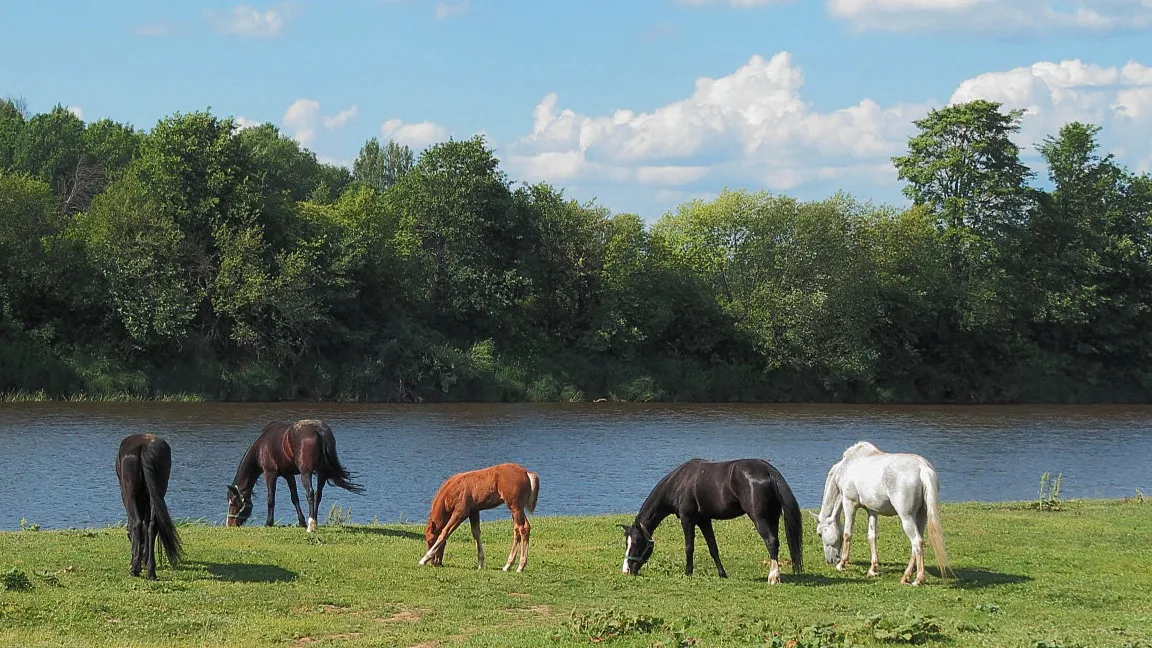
(202, 260)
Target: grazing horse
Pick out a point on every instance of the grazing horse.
(286, 450)
(143, 465)
(700, 491)
(463, 495)
(883, 484)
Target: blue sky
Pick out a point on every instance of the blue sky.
(640, 104)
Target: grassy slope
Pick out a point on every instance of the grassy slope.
(1079, 576)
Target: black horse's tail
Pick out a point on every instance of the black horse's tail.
(337, 474)
(793, 521)
(156, 460)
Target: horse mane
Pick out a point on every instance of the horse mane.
(249, 463)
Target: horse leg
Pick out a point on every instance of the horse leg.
(153, 531)
(456, 520)
(515, 546)
(306, 482)
(135, 539)
(689, 543)
(873, 518)
(270, 482)
(917, 558)
(710, 537)
(523, 532)
(769, 529)
(296, 501)
(849, 521)
(319, 492)
(474, 519)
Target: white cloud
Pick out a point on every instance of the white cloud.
(1119, 99)
(751, 126)
(445, 10)
(417, 135)
(993, 15)
(340, 119)
(754, 128)
(248, 21)
(303, 119)
(670, 175)
(78, 111)
(324, 159)
(243, 122)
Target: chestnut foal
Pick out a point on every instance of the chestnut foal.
(463, 495)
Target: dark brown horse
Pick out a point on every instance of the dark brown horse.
(286, 450)
(699, 491)
(143, 465)
(463, 495)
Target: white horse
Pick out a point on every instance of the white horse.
(884, 484)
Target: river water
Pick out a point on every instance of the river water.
(57, 459)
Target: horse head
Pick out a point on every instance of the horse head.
(831, 532)
(239, 506)
(638, 546)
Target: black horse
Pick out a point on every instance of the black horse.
(143, 465)
(286, 450)
(700, 491)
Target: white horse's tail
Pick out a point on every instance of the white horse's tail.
(935, 531)
(534, 481)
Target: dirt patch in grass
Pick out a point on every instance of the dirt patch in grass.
(402, 616)
(308, 641)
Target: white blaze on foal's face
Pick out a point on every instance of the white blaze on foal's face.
(627, 552)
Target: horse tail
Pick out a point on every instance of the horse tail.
(156, 461)
(935, 531)
(793, 521)
(337, 474)
(534, 481)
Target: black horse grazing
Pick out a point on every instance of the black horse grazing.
(700, 491)
(286, 450)
(143, 465)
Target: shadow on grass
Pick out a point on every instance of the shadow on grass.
(811, 580)
(386, 532)
(975, 578)
(246, 573)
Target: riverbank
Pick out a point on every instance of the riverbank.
(1076, 576)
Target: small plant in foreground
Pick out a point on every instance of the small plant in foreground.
(339, 517)
(916, 630)
(15, 580)
(1049, 497)
(602, 625)
(25, 525)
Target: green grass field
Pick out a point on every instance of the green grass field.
(1080, 576)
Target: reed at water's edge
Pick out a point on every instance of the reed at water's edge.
(1026, 574)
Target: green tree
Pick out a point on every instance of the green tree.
(12, 118)
(461, 238)
(964, 165)
(380, 167)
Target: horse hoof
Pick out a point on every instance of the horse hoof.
(873, 573)
(773, 579)
(311, 525)
(840, 567)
